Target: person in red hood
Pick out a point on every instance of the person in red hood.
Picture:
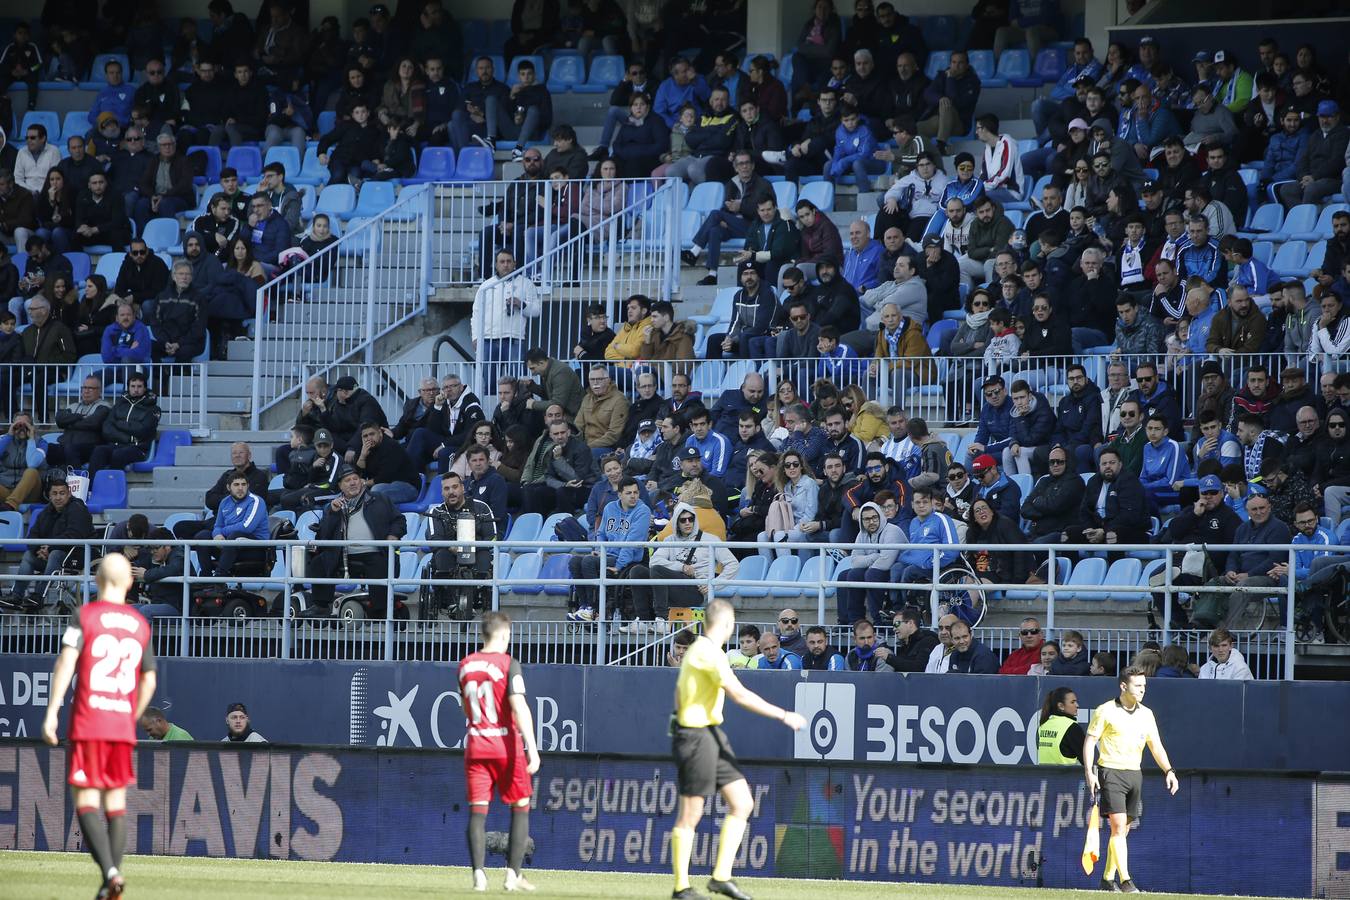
(1020, 661)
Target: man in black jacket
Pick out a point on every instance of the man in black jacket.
(345, 410)
(807, 156)
(512, 409)
(143, 275)
(1054, 501)
(743, 196)
(941, 276)
(63, 517)
(81, 425)
(351, 143)
(517, 211)
(357, 516)
(162, 597)
(126, 167)
(178, 319)
(385, 466)
(130, 428)
(421, 426)
(913, 643)
(1114, 509)
(99, 217)
(1209, 520)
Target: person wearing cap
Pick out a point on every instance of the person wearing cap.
(1212, 122)
(1206, 521)
(63, 516)
(1046, 110)
(993, 485)
(237, 727)
(964, 187)
(1233, 85)
(1052, 505)
(1322, 163)
(949, 101)
(752, 313)
(347, 408)
(313, 474)
(1295, 394)
(357, 515)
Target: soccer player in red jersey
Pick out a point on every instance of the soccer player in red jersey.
(499, 747)
(108, 644)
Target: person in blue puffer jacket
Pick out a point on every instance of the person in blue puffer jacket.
(1032, 423)
(1282, 153)
(242, 516)
(995, 429)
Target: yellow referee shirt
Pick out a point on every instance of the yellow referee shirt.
(1121, 734)
(698, 689)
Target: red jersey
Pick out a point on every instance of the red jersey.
(114, 645)
(486, 680)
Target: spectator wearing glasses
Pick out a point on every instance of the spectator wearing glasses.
(126, 166)
(35, 159)
(1055, 498)
(159, 97)
(1156, 397)
(869, 564)
(940, 657)
(634, 82)
(1114, 508)
(142, 276)
(1128, 441)
(1020, 661)
(268, 233)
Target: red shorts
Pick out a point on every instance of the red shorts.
(511, 778)
(100, 764)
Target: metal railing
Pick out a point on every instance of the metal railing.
(335, 305)
(394, 637)
(45, 389)
(948, 393)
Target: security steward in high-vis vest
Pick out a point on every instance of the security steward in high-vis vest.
(1059, 738)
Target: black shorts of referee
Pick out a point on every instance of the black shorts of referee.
(1122, 791)
(704, 760)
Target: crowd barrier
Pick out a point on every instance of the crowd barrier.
(44, 389)
(397, 636)
(1222, 833)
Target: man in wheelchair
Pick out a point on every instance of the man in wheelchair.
(459, 562)
(65, 516)
(357, 515)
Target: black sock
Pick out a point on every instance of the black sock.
(520, 836)
(477, 839)
(117, 837)
(96, 839)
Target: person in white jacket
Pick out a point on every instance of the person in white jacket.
(1002, 175)
(35, 159)
(500, 308)
(918, 193)
(940, 659)
(1226, 662)
(695, 563)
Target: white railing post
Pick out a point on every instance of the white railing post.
(1288, 638)
(259, 342)
(602, 625)
(670, 275)
(427, 216)
(371, 270)
(612, 263)
(1050, 591)
(545, 258)
(390, 571)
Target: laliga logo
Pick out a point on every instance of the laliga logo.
(397, 719)
(828, 710)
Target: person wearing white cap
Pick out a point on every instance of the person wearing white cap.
(1233, 85)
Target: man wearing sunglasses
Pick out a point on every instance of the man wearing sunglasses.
(1128, 442)
(1114, 509)
(159, 97)
(1156, 398)
(1020, 661)
(143, 275)
(789, 632)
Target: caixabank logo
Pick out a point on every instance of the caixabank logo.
(828, 710)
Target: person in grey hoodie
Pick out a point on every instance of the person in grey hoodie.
(906, 290)
(869, 564)
(698, 564)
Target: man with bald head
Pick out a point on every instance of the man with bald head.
(104, 712)
(940, 660)
(726, 412)
(789, 632)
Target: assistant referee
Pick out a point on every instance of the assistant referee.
(1119, 730)
(703, 756)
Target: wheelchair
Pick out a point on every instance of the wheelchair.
(961, 593)
(56, 597)
(455, 602)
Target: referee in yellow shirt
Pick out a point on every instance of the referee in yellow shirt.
(704, 757)
(1119, 730)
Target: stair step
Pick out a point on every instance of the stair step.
(186, 476)
(157, 497)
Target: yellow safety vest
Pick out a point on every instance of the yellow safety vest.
(1048, 738)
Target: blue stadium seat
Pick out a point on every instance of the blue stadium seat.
(326, 121)
(1322, 229)
(245, 160)
(213, 164)
(289, 158)
(1300, 219)
(554, 573)
(107, 490)
(46, 118)
(1124, 577)
(784, 568)
(526, 566)
(1252, 179)
(11, 529)
(512, 77)
(937, 331)
(306, 524)
(785, 192)
(821, 193)
(1267, 219)
(109, 264)
(375, 197)
(161, 233)
(80, 265)
(98, 78)
(162, 453)
(359, 246)
(1316, 258)
(565, 72)
(811, 572)
(1289, 258)
(982, 64)
(747, 581)
(1014, 66)
(707, 376)
(525, 527)
(1049, 65)
(312, 172)
(706, 197)
(606, 72)
(1264, 251)
(75, 124)
(337, 200)
(474, 164)
(938, 60)
(718, 313)
(435, 164)
(1089, 572)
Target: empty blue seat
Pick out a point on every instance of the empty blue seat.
(109, 264)
(1265, 220)
(1300, 219)
(337, 200)
(80, 266)
(1264, 251)
(213, 164)
(565, 72)
(706, 197)
(938, 60)
(1288, 262)
(361, 243)
(526, 566)
(375, 197)
(326, 121)
(1088, 573)
(107, 490)
(1049, 65)
(11, 529)
(164, 451)
(1015, 65)
(816, 570)
(312, 172)
(821, 193)
(474, 164)
(247, 161)
(982, 64)
(1322, 229)
(746, 584)
(76, 124)
(289, 158)
(785, 193)
(525, 527)
(1062, 574)
(784, 568)
(161, 234)
(436, 164)
(1124, 577)
(606, 72)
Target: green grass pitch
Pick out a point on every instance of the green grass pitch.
(70, 876)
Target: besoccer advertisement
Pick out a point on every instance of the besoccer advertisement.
(823, 820)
